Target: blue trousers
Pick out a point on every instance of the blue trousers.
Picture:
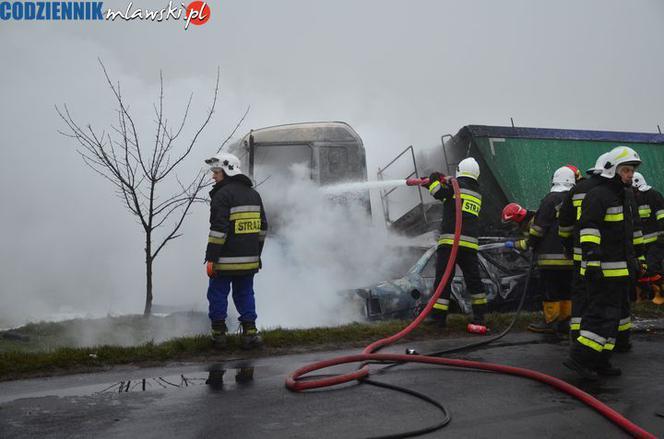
(243, 297)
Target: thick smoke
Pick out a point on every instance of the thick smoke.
(319, 248)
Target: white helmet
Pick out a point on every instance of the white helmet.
(468, 167)
(563, 180)
(620, 155)
(599, 165)
(228, 162)
(639, 182)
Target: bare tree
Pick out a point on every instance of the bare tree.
(137, 170)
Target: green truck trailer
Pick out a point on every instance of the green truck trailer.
(517, 165)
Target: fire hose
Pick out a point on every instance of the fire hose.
(296, 383)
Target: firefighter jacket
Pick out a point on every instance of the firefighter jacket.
(543, 234)
(237, 227)
(471, 204)
(569, 214)
(651, 211)
(607, 230)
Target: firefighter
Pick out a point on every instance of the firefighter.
(651, 211)
(568, 231)
(237, 233)
(467, 174)
(514, 213)
(555, 268)
(606, 230)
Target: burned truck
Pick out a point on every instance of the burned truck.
(330, 152)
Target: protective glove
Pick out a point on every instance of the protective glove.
(509, 244)
(435, 176)
(210, 269)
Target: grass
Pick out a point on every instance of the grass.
(16, 362)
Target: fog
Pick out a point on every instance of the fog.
(399, 73)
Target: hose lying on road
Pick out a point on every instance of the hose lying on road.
(295, 382)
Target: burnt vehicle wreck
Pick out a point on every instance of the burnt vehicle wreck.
(503, 272)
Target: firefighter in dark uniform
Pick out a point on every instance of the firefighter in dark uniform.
(467, 174)
(568, 231)
(651, 211)
(555, 268)
(237, 233)
(606, 230)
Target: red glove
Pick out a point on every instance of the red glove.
(210, 269)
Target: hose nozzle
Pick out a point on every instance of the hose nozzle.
(417, 181)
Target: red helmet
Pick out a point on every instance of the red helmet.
(577, 173)
(513, 212)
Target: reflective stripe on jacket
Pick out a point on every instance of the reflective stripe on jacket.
(238, 227)
(471, 205)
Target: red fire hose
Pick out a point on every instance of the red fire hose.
(294, 382)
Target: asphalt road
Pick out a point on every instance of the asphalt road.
(243, 399)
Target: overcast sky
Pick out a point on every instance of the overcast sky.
(399, 72)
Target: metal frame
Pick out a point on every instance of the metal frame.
(385, 193)
(447, 163)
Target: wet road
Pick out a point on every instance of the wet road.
(241, 399)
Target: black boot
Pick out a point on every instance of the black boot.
(584, 370)
(551, 310)
(623, 343)
(250, 337)
(440, 318)
(219, 334)
(542, 327)
(606, 369)
(583, 361)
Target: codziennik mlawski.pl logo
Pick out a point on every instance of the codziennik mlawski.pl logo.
(196, 12)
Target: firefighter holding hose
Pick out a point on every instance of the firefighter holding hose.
(467, 175)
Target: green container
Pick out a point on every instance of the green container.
(517, 163)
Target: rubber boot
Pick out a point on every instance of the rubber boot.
(219, 329)
(623, 343)
(244, 375)
(440, 318)
(250, 338)
(658, 299)
(605, 368)
(583, 362)
(551, 315)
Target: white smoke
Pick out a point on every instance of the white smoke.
(319, 249)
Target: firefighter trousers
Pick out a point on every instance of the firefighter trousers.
(468, 262)
(581, 292)
(579, 301)
(243, 297)
(600, 320)
(556, 285)
(655, 257)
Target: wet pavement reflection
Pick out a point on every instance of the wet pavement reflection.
(243, 376)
